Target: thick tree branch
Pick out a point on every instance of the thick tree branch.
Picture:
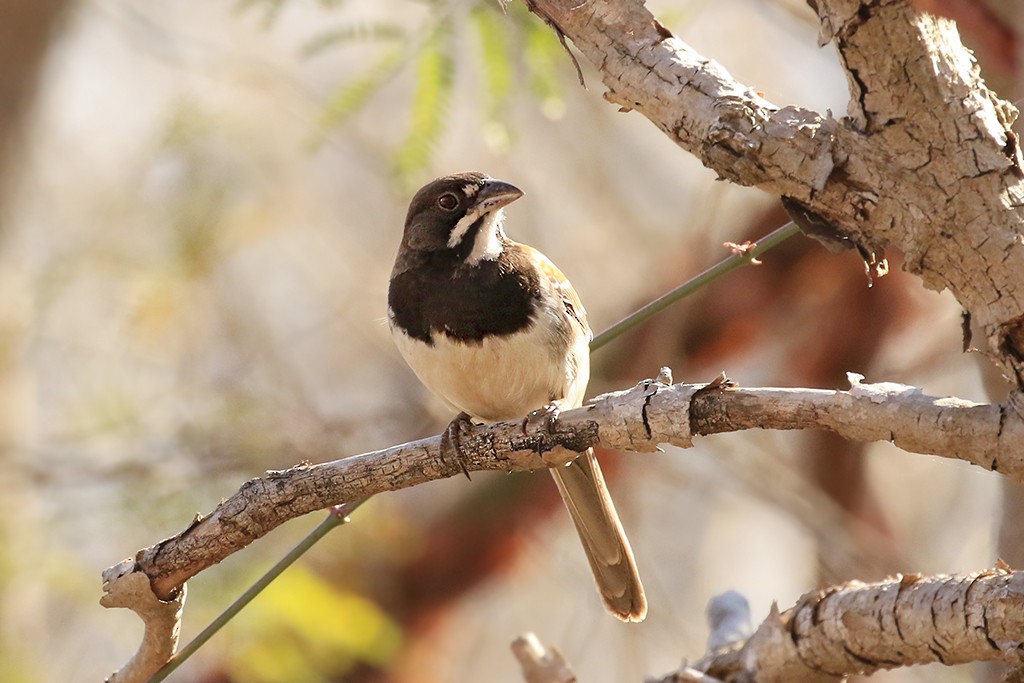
(861, 628)
(858, 629)
(926, 161)
(637, 419)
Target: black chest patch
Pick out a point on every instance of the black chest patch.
(440, 294)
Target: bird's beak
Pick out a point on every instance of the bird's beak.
(496, 194)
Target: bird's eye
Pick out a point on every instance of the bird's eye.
(448, 201)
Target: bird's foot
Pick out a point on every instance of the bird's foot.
(546, 417)
(451, 440)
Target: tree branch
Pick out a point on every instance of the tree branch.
(123, 586)
(926, 161)
(540, 664)
(637, 419)
(862, 628)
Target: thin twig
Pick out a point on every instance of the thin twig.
(724, 266)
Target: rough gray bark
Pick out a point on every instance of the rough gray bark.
(925, 160)
(862, 628)
(637, 419)
(540, 664)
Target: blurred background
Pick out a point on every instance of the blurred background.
(200, 207)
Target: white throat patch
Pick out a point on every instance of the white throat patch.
(487, 243)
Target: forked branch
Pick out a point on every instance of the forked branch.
(925, 161)
(637, 419)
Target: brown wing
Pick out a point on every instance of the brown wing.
(585, 493)
(563, 288)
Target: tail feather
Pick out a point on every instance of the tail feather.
(611, 559)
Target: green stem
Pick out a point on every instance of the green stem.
(690, 286)
(336, 516)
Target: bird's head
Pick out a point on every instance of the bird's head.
(460, 213)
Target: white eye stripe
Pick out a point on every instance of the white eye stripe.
(487, 243)
(463, 226)
(470, 190)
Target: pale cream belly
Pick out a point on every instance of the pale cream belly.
(498, 379)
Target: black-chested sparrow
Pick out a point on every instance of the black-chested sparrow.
(495, 330)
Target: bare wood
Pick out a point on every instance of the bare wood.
(262, 504)
(926, 161)
(859, 628)
(541, 664)
(986, 435)
(728, 617)
(638, 420)
(124, 587)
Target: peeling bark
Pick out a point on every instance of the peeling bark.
(859, 628)
(637, 419)
(924, 162)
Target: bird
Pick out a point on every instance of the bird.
(496, 331)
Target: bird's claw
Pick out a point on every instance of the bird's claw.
(451, 441)
(546, 417)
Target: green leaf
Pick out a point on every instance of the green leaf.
(434, 81)
(272, 9)
(349, 98)
(348, 34)
(495, 56)
(544, 58)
